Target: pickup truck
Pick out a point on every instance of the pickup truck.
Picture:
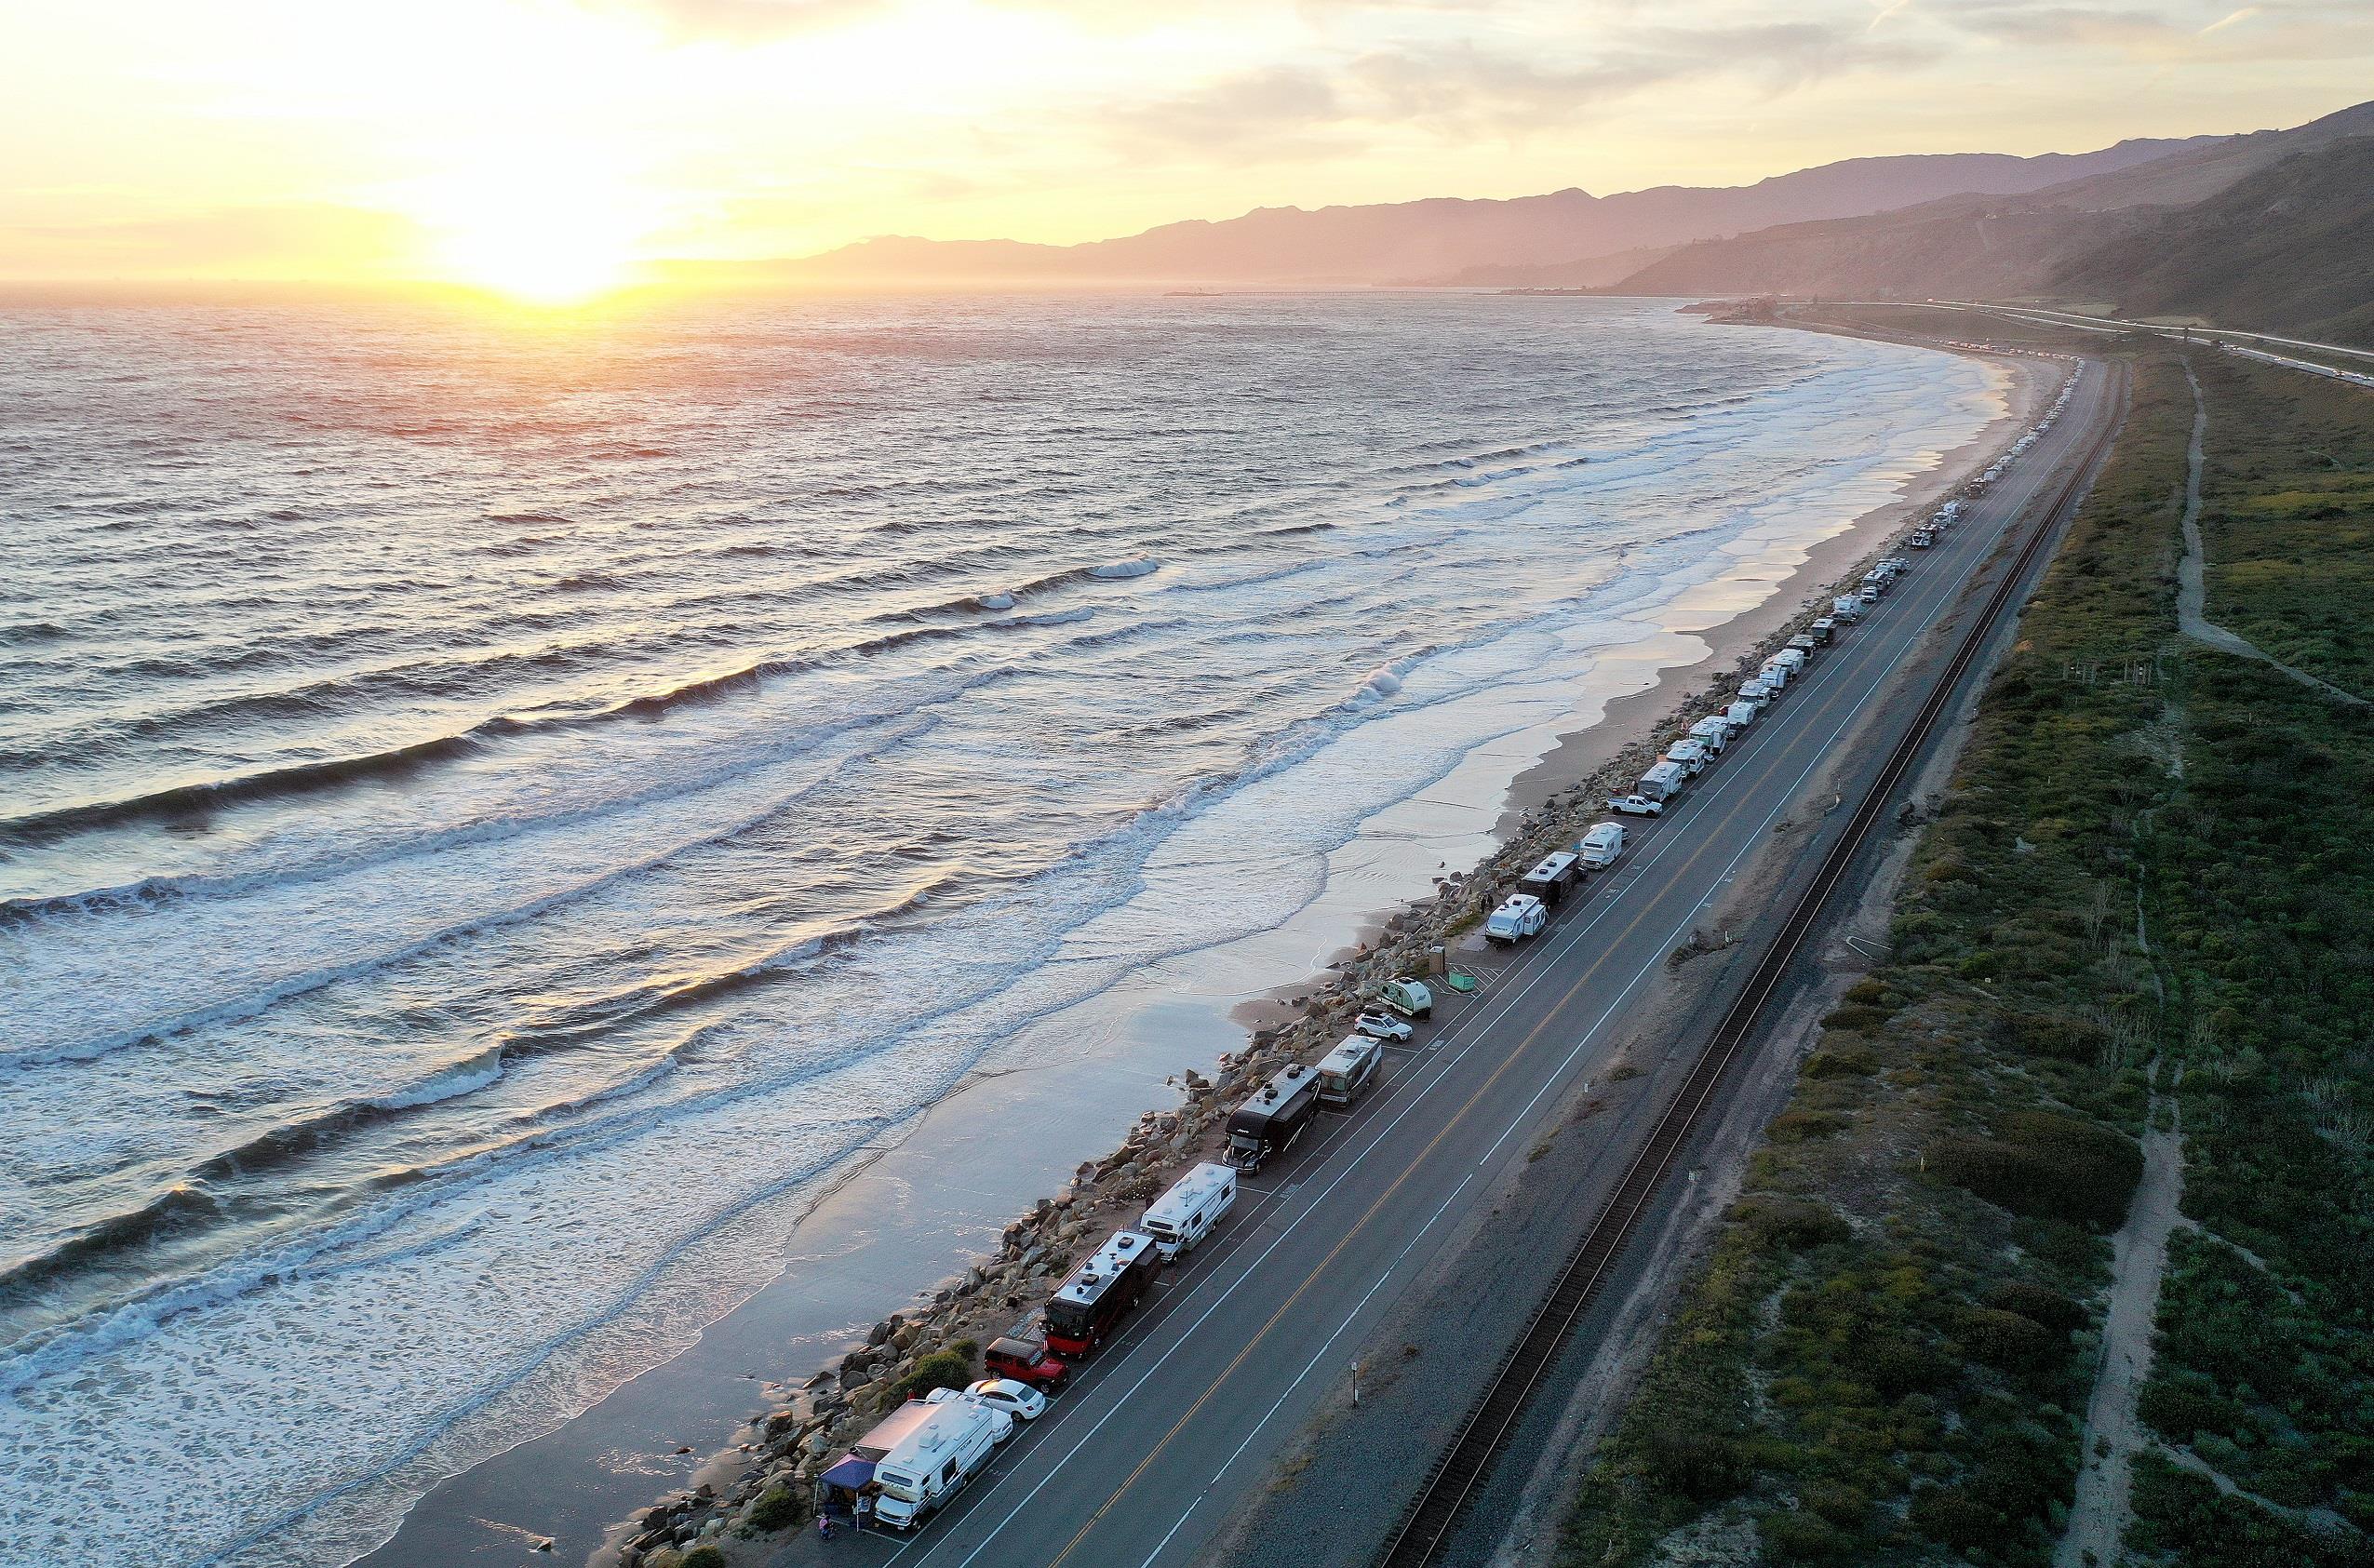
(1636, 806)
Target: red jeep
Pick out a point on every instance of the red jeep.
(1024, 1360)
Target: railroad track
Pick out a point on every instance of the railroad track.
(1426, 1523)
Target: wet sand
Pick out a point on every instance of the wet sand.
(938, 1191)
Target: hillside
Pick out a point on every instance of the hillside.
(2267, 230)
(1442, 237)
(2289, 249)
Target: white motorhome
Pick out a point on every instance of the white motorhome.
(1196, 1202)
(1662, 782)
(1793, 657)
(1520, 915)
(1711, 733)
(1688, 756)
(1774, 674)
(930, 1457)
(1756, 694)
(1601, 845)
(1346, 1072)
(1846, 607)
(1740, 714)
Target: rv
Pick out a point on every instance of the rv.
(1756, 694)
(935, 1451)
(1824, 628)
(1100, 1293)
(1688, 756)
(1346, 1072)
(1186, 1214)
(1922, 539)
(1662, 782)
(1711, 733)
(1774, 674)
(1411, 999)
(1551, 880)
(1739, 715)
(1601, 845)
(1805, 643)
(1520, 915)
(1847, 608)
(1268, 1124)
(1793, 658)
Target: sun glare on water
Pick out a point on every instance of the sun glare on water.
(537, 230)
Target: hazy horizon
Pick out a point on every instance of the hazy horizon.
(555, 148)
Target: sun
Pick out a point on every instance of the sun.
(537, 226)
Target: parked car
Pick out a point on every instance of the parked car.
(1018, 1400)
(1377, 1024)
(1870, 595)
(1012, 1359)
(1636, 806)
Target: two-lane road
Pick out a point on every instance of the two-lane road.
(1177, 1424)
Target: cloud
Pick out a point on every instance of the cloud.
(748, 21)
(1281, 112)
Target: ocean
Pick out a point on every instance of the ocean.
(489, 810)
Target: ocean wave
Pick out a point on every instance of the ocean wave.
(1137, 565)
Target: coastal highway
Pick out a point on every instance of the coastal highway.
(1177, 1427)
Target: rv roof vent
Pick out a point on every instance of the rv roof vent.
(1270, 1092)
(1295, 1071)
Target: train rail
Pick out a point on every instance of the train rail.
(1426, 1525)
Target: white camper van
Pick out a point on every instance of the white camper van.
(1739, 715)
(1662, 782)
(1690, 755)
(1346, 1072)
(931, 1457)
(1196, 1202)
(1711, 733)
(1601, 845)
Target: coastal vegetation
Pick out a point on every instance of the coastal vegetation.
(2142, 896)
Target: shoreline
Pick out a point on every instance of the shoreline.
(983, 1271)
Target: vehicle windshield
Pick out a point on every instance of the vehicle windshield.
(1243, 1143)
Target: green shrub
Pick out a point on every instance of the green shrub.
(704, 1557)
(1795, 1223)
(1948, 1516)
(2059, 1315)
(2046, 1166)
(1840, 1063)
(778, 1508)
(1701, 1465)
(1802, 1537)
(951, 1368)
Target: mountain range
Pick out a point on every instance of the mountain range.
(2272, 229)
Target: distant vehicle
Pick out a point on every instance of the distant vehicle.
(935, 1450)
(1273, 1120)
(1601, 845)
(1870, 594)
(1018, 1400)
(1099, 1293)
(1847, 607)
(1379, 1024)
(1739, 715)
(1774, 674)
(1001, 1429)
(1409, 997)
(1346, 1072)
(1024, 1360)
(1806, 643)
(1757, 693)
(1795, 657)
(1689, 756)
(1636, 804)
(1824, 628)
(1712, 734)
(1520, 915)
(1184, 1215)
(1551, 880)
(1922, 539)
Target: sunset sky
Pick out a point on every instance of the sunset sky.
(501, 141)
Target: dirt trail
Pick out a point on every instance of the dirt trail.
(2113, 1436)
(2191, 598)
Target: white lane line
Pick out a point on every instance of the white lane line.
(1443, 1066)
